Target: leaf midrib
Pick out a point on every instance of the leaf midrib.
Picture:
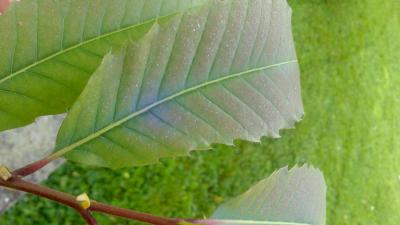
(119, 122)
(73, 47)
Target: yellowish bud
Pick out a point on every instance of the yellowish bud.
(5, 173)
(83, 200)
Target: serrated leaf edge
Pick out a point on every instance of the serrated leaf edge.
(96, 134)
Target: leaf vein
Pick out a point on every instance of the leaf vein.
(246, 105)
(220, 41)
(281, 93)
(197, 48)
(161, 101)
(167, 123)
(266, 40)
(16, 43)
(133, 130)
(218, 132)
(63, 51)
(169, 58)
(224, 111)
(40, 102)
(44, 76)
(266, 98)
(240, 37)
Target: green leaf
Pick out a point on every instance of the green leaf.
(214, 74)
(287, 197)
(49, 49)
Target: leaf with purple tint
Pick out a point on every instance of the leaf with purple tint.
(287, 197)
(213, 74)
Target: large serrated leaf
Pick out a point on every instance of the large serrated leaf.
(222, 72)
(49, 49)
(287, 197)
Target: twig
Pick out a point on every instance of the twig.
(87, 216)
(31, 168)
(130, 214)
(19, 184)
(57, 196)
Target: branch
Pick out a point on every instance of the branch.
(33, 167)
(87, 216)
(60, 197)
(69, 200)
(133, 215)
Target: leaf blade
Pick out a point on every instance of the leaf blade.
(54, 46)
(296, 196)
(171, 98)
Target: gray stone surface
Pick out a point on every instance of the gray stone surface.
(22, 146)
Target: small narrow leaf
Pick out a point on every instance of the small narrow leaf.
(287, 197)
(214, 74)
(49, 48)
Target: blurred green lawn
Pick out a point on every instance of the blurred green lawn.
(349, 53)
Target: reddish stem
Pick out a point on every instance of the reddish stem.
(129, 214)
(17, 183)
(31, 168)
(69, 200)
(87, 216)
(57, 196)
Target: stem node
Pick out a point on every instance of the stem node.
(5, 173)
(83, 200)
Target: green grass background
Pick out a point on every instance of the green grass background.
(349, 53)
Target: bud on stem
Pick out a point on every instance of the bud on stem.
(5, 173)
(83, 200)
